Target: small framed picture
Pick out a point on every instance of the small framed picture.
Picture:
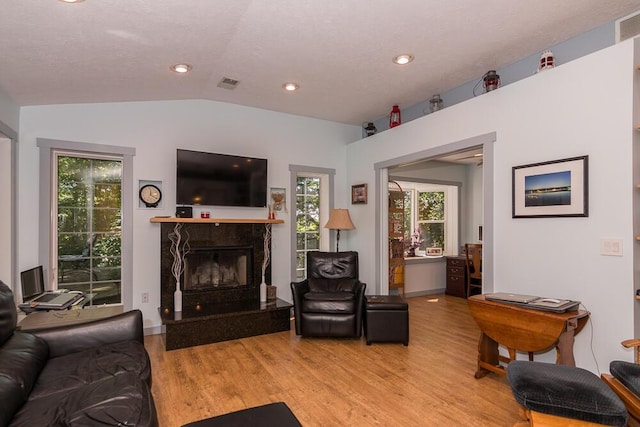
(278, 199)
(551, 189)
(359, 194)
(434, 252)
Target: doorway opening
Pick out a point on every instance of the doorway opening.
(466, 165)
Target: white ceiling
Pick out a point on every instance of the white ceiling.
(338, 51)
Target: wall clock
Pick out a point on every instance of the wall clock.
(150, 195)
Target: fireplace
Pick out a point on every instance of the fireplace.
(220, 283)
(223, 265)
(217, 268)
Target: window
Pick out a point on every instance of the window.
(314, 198)
(98, 237)
(307, 221)
(431, 220)
(88, 241)
(431, 216)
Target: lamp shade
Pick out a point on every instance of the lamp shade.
(339, 220)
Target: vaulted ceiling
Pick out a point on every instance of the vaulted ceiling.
(339, 52)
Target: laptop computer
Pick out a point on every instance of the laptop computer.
(507, 297)
(32, 283)
(34, 296)
(538, 303)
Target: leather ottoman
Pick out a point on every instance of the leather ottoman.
(386, 319)
(270, 415)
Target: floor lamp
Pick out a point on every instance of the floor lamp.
(339, 220)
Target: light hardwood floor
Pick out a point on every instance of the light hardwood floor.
(332, 382)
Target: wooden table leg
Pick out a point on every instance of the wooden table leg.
(564, 348)
(487, 355)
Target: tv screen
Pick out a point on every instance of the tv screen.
(212, 179)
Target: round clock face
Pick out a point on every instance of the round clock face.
(150, 195)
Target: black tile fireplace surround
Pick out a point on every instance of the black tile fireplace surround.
(222, 311)
(212, 235)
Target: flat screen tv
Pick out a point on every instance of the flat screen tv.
(212, 179)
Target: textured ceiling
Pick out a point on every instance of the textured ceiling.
(339, 52)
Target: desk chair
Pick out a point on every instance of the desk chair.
(624, 380)
(78, 261)
(474, 267)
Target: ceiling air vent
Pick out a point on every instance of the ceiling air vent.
(628, 27)
(227, 83)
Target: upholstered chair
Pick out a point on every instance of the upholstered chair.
(624, 380)
(330, 301)
(553, 395)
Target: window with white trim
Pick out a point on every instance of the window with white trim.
(87, 245)
(431, 216)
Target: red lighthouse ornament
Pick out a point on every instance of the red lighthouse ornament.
(394, 117)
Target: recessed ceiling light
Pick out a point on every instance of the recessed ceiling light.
(403, 59)
(291, 86)
(71, 1)
(181, 68)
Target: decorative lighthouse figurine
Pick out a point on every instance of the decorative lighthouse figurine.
(546, 61)
(394, 117)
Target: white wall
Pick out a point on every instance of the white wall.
(564, 112)
(156, 129)
(423, 277)
(6, 258)
(9, 111)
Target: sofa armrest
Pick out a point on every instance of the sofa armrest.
(71, 339)
(360, 298)
(298, 289)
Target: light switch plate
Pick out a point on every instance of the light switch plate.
(611, 247)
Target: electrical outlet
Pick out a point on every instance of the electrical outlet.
(611, 247)
(145, 297)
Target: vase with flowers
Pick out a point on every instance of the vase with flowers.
(265, 261)
(416, 241)
(179, 249)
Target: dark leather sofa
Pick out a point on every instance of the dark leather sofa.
(92, 374)
(330, 301)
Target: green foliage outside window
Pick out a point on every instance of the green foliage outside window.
(307, 221)
(431, 217)
(89, 201)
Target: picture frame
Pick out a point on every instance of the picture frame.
(278, 199)
(557, 188)
(359, 194)
(435, 252)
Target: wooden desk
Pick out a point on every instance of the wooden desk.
(456, 276)
(50, 319)
(524, 329)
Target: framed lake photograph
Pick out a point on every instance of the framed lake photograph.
(551, 189)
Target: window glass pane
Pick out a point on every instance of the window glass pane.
(433, 235)
(72, 219)
(431, 206)
(313, 241)
(408, 228)
(307, 220)
(89, 237)
(107, 245)
(313, 186)
(301, 260)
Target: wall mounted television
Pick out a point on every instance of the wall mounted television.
(212, 179)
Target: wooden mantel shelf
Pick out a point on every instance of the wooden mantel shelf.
(159, 219)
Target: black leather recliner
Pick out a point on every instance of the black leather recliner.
(330, 301)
